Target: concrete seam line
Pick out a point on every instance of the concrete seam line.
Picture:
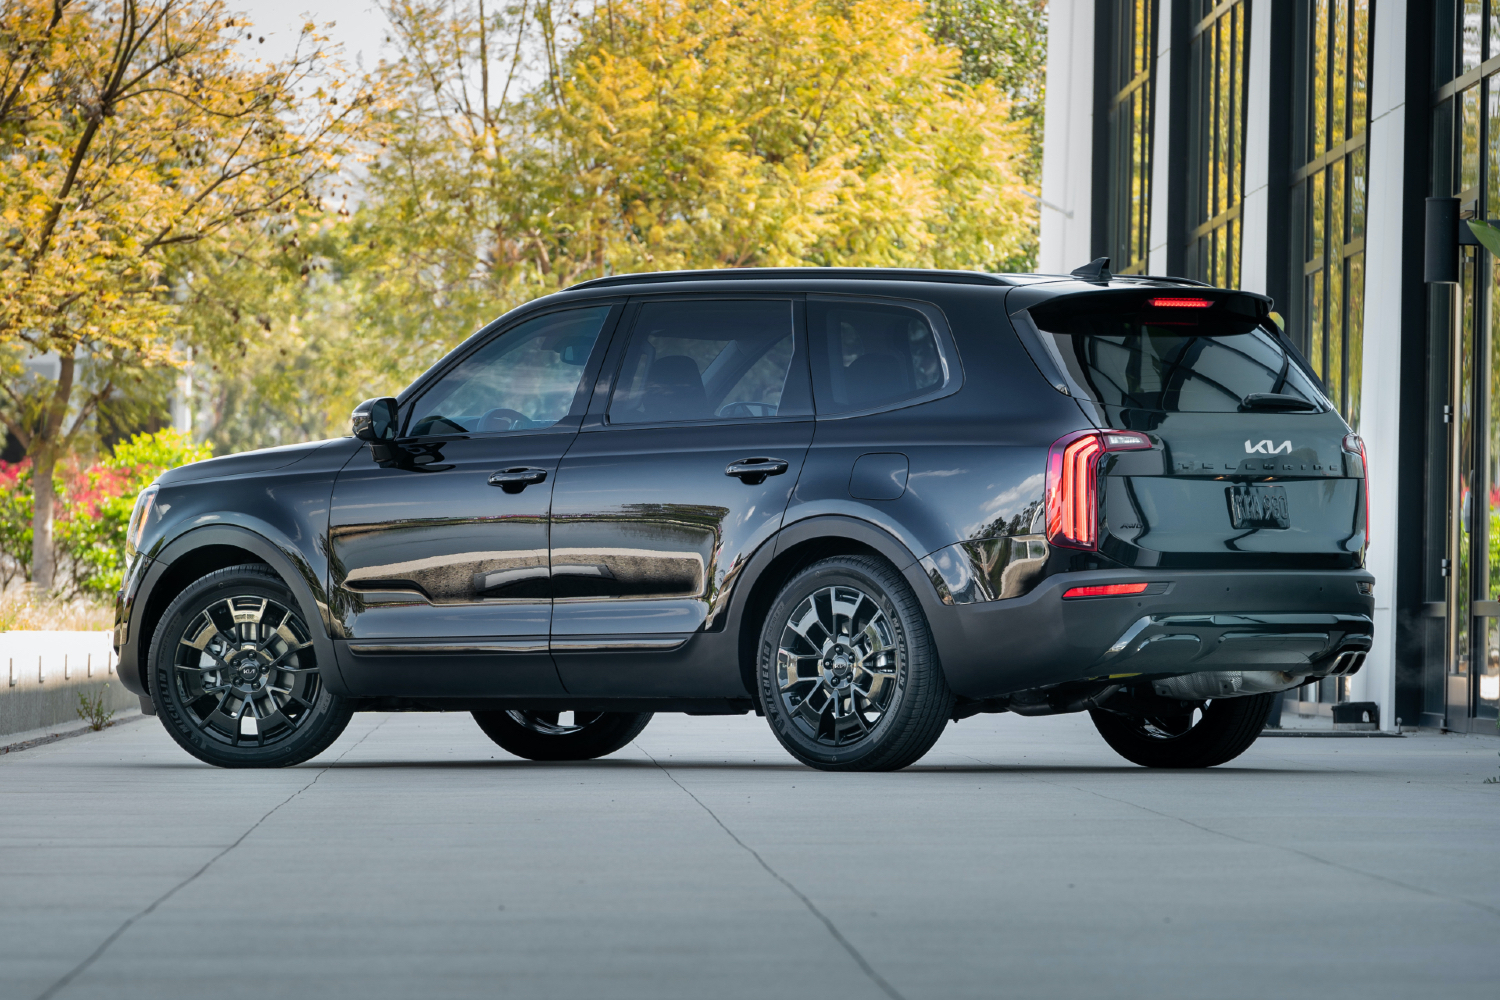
(81, 967)
(1492, 911)
(812, 908)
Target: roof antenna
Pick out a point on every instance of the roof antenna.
(1095, 270)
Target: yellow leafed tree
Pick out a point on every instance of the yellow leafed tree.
(133, 133)
(708, 133)
(667, 134)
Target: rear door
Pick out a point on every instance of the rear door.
(682, 470)
(1253, 471)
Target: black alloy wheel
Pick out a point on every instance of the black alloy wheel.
(848, 676)
(235, 676)
(1214, 734)
(543, 735)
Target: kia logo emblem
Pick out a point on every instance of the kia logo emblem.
(1266, 448)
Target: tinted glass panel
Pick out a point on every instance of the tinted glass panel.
(525, 379)
(1179, 352)
(868, 354)
(708, 360)
(1160, 368)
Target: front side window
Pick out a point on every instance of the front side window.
(709, 359)
(525, 379)
(871, 354)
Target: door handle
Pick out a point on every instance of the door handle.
(753, 471)
(516, 480)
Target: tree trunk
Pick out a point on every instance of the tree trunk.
(44, 448)
(42, 563)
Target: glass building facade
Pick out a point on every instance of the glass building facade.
(1216, 140)
(1132, 64)
(1464, 330)
(1329, 177)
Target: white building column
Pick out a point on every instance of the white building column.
(1380, 396)
(1255, 207)
(1068, 136)
(1161, 143)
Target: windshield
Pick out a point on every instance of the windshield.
(1166, 368)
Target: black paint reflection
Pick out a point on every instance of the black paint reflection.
(432, 557)
(641, 550)
(991, 569)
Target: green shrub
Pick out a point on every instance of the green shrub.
(93, 511)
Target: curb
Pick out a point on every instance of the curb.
(40, 741)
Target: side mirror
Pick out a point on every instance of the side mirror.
(374, 420)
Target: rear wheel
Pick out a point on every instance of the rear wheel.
(235, 676)
(1218, 732)
(561, 735)
(849, 678)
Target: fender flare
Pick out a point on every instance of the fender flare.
(269, 546)
(894, 549)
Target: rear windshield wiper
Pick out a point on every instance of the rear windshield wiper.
(1276, 401)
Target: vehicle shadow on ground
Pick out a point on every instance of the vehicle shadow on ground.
(508, 763)
(1123, 771)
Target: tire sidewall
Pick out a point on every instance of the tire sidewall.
(833, 573)
(312, 736)
(1228, 728)
(611, 732)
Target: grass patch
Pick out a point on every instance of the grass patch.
(92, 709)
(23, 609)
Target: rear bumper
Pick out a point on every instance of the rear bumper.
(1300, 622)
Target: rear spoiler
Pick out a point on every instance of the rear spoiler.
(1204, 312)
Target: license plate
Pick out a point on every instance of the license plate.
(1258, 507)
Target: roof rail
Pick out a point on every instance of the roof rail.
(771, 273)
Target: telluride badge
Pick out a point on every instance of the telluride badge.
(1258, 507)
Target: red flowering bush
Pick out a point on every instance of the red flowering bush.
(93, 510)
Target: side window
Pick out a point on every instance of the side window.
(524, 379)
(869, 354)
(703, 359)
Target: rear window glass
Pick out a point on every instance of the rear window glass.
(1123, 359)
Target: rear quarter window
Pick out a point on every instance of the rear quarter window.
(872, 355)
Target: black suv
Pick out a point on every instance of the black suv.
(863, 503)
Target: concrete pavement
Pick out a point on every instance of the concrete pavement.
(1021, 858)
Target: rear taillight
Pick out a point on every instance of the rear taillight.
(1355, 445)
(1073, 484)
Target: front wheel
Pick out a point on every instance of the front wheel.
(849, 677)
(1215, 734)
(561, 735)
(235, 676)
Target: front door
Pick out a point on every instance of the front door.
(679, 474)
(440, 577)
